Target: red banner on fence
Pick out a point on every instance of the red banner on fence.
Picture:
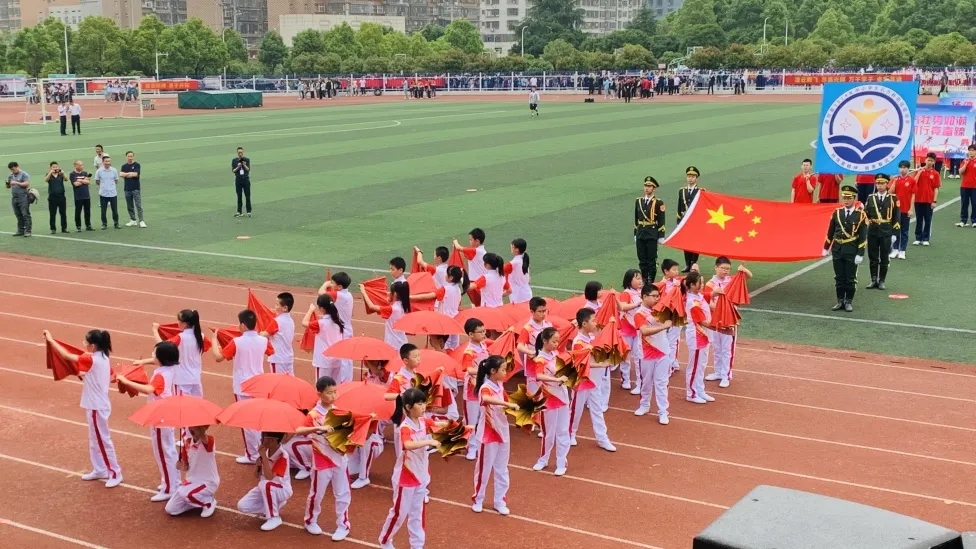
(150, 85)
(818, 79)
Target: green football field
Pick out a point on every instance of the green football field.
(352, 187)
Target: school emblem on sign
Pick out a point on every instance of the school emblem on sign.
(866, 128)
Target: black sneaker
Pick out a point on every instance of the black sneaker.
(839, 306)
(117, 226)
(27, 234)
(249, 214)
(89, 229)
(104, 227)
(54, 232)
(238, 214)
(18, 234)
(78, 230)
(65, 231)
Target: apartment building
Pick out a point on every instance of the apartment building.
(664, 7)
(416, 13)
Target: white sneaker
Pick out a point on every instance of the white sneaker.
(302, 474)
(641, 411)
(893, 254)
(244, 460)
(142, 224)
(539, 465)
(723, 384)
(916, 243)
(471, 457)
(708, 397)
(960, 224)
(572, 441)
(663, 419)
(160, 496)
(477, 508)
(697, 400)
(209, 510)
(340, 534)
(635, 390)
(926, 243)
(713, 377)
(113, 482)
(625, 385)
(607, 446)
(427, 499)
(359, 483)
(560, 471)
(160, 487)
(502, 510)
(314, 529)
(271, 524)
(540, 433)
(132, 223)
(96, 476)
(901, 255)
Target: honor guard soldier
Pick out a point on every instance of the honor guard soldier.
(648, 228)
(882, 211)
(687, 195)
(846, 239)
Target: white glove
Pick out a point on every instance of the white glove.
(858, 259)
(894, 239)
(660, 241)
(825, 253)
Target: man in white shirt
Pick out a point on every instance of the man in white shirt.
(63, 118)
(75, 110)
(107, 179)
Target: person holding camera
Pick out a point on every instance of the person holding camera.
(80, 180)
(56, 202)
(19, 182)
(241, 166)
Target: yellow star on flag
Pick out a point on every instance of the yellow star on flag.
(756, 220)
(747, 209)
(738, 240)
(719, 217)
(752, 234)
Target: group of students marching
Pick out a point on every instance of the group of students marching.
(645, 371)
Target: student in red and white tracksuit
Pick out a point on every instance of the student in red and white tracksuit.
(723, 340)
(654, 348)
(329, 467)
(166, 356)
(248, 352)
(670, 269)
(192, 345)
(517, 271)
(362, 459)
(493, 434)
(96, 374)
(199, 461)
(630, 300)
(475, 254)
(411, 474)
(338, 288)
(403, 381)
(399, 305)
(282, 336)
(590, 398)
(476, 351)
(525, 343)
(274, 483)
(493, 285)
(555, 418)
(447, 298)
(322, 319)
(697, 338)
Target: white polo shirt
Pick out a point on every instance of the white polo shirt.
(248, 352)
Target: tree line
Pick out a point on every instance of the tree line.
(730, 34)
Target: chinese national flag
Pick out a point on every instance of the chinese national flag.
(753, 230)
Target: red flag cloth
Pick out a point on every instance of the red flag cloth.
(135, 374)
(567, 309)
(421, 283)
(379, 293)
(671, 306)
(308, 336)
(751, 229)
(61, 368)
(266, 317)
(567, 331)
(736, 290)
(609, 308)
(431, 360)
(168, 331)
(610, 346)
(225, 335)
(415, 262)
(506, 346)
(456, 259)
(724, 314)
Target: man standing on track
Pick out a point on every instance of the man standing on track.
(241, 166)
(648, 228)
(18, 182)
(847, 238)
(75, 110)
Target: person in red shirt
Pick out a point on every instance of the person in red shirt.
(926, 195)
(829, 187)
(865, 186)
(903, 186)
(967, 190)
(804, 184)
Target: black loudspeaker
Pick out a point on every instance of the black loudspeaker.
(588, 100)
(778, 518)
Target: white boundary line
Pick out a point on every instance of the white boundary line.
(861, 320)
(50, 534)
(826, 260)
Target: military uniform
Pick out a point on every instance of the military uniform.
(648, 229)
(884, 216)
(846, 240)
(687, 195)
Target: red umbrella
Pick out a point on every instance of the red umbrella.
(431, 360)
(567, 331)
(135, 374)
(363, 348)
(724, 314)
(428, 323)
(609, 308)
(262, 414)
(506, 346)
(177, 411)
(493, 318)
(288, 389)
(737, 291)
(364, 398)
(167, 331)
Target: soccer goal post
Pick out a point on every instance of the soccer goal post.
(35, 102)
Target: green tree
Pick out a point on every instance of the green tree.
(738, 56)
(635, 57)
(341, 39)
(31, 49)
(419, 46)
(234, 42)
(143, 44)
(852, 56)
(664, 43)
(965, 18)
(548, 20)
(834, 27)
(307, 42)
(861, 13)
(742, 20)
(352, 65)
(432, 32)
(644, 22)
(897, 16)
(304, 63)
(918, 38)
(97, 49)
(511, 63)
(194, 48)
(778, 57)
(710, 34)
(54, 29)
(370, 39)
(807, 15)
(397, 43)
(964, 55)
(809, 54)
(709, 58)
(272, 51)
(561, 54)
(894, 55)
(463, 35)
(376, 64)
(940, 51)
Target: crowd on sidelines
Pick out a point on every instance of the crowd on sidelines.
(644, 321)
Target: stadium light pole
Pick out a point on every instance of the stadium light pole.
(67, 66)
(766, 20)
(522, 41)
(158, 55)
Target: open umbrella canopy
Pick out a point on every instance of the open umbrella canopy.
(288, 389)
(262, 414)
(364, 398)
(431, 360)
(363, 348)
(492, 317)
(177, 411)
(428, 323)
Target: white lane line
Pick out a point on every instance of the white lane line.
(50, 534)
(860, 320)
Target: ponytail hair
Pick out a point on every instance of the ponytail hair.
(401, 291)
(486, 368)
(690, 279)
(408, 399)
(326, 303)
(520, 246)
(101, 340)
(192, 319)
(459, 276)
(544, 336)
(495, 262)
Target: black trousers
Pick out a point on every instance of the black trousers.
(243, 192)
(879, 246)
(647, 257)
(57, 204)
(64, 125)
(76, 124)
(829, 200)
(112, 201)
(845, 275)
(864, 191)
(84, 204)
(690, 259)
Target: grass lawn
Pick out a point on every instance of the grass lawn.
(354, 186)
